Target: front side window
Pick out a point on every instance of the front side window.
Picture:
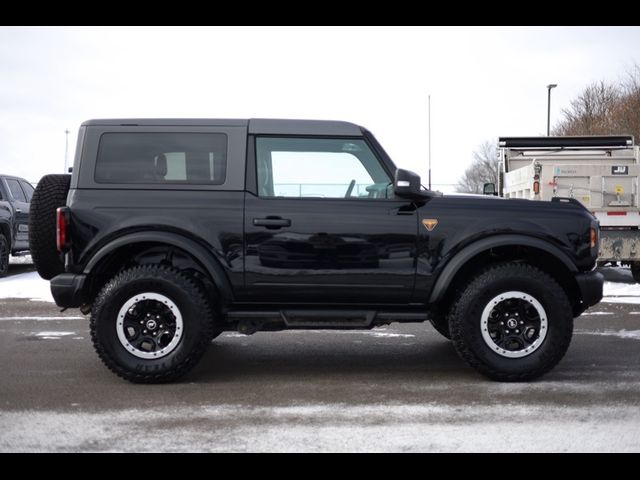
(162, 158)
(320, 168)
(16, 191)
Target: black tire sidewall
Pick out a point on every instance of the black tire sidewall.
(4, 246)
(50, 193)
(194, 317)
(468, 330)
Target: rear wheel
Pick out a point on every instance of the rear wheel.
(4, 255)
(50, 194)
(512, 322)
(151, 324)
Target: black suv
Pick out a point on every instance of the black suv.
(172, 231)
(15, 195)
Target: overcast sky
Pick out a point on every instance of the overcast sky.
(484, 82)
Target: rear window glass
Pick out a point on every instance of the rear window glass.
(162, 158)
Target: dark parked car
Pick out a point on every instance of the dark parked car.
(172, 231)
(15, 197)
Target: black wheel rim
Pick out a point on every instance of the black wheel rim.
(149, 325)
(514, 324)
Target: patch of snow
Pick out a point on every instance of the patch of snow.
(333, 427)
(597, 313)
(26, 285)
(40, 319)
(633, 334)
(629, 300)
(20, 260)
(53, 335)
(634, 313)
(621, 289)
(621, 293)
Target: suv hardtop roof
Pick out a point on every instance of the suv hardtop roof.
(264, 126)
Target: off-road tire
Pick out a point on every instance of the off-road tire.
(195, 309)
(50, 194)
(635, 271)
(465, 321)
(4, 255)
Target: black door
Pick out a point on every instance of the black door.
(322, 228)
(21, 214)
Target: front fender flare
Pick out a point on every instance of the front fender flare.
(206, 258)
(467, 253)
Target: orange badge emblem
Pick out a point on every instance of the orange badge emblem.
(430, 223)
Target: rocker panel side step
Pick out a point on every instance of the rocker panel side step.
(250, 321)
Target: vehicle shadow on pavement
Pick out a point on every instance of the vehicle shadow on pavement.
(617, 274)
(17, 269)
(363, 357)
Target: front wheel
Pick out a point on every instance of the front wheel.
(151, 324)
(512, 322)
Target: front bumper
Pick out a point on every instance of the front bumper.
(67, 290)
(590, 285)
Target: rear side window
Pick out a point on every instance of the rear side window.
(16, 191)
(162, 158)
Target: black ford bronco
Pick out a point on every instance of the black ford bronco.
(172, 231)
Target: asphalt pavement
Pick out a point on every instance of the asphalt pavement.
(399, 388)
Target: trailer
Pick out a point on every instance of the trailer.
(601, 172)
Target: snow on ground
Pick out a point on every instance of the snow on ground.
(327, 428)
(25, 285)
(633, 334)
(20, 260)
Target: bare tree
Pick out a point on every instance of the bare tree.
(485, 168)
(605, 109)
(593, 112)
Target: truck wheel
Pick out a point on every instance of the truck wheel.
(512, 322)
(50, 194)
(151, 324)
(4, 255)
(635, 271)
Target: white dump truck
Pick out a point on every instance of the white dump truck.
(601, 172)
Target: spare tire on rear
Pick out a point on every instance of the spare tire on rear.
(50, 194)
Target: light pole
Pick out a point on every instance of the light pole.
(549, 87)
(429, 110)
(66, 148)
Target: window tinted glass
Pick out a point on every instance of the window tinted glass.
(16, 191)
(162, 158)
(27, 189)
(318, 167)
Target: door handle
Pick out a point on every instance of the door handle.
(272, 222)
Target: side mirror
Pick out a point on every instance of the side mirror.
(406, 184)
(489, 189)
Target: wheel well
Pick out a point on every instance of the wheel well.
(541, 259)
(143, 253)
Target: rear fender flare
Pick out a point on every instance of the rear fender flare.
(206, 258)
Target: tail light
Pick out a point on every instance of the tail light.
(536, 187)
(593, 240)
(62, 224)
